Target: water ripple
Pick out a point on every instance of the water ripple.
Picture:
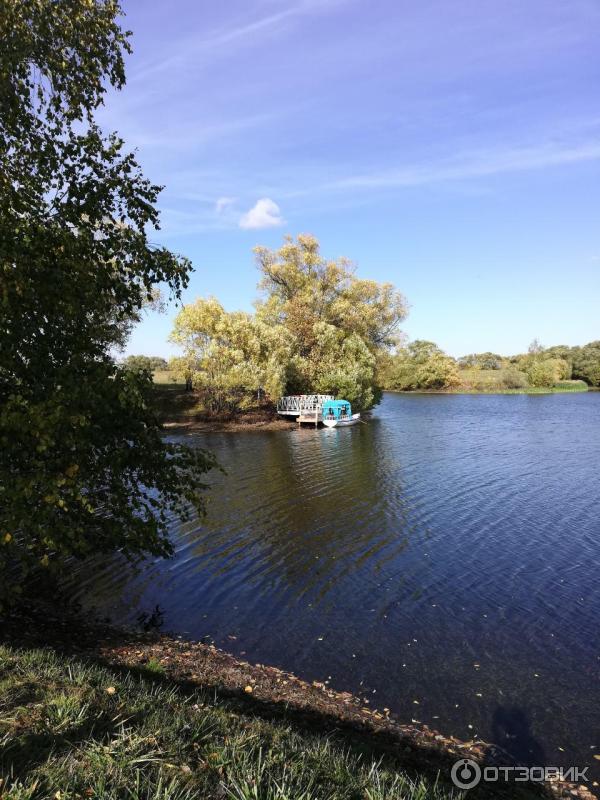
(448, 532)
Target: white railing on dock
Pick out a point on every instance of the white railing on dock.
(296, 404)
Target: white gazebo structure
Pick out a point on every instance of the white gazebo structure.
(306, 407)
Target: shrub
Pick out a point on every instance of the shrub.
(514, 379)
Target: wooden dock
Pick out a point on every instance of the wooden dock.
(312, 417)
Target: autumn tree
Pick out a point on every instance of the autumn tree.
(317, 328)
(586, 363)
(302, 289)
(232, 358)
(420, 365)
(545, 372)
(544, 366)
(83, 466)
(338, 323)
(583, 361)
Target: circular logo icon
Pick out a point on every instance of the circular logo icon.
(465, 773)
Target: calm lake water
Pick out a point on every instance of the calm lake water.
(441, 560)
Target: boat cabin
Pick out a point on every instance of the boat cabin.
(337, 409)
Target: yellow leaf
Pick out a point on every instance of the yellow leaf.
(44, 561)
(7, 538)
(72, 470)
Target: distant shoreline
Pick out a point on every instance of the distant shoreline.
(530, 390)
(179, 416)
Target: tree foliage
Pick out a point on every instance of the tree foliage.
(83, 467)
(317, 328)
(481, 361)
(544, 367)
(545, 372)
(230, 357)
(586, 363)
(149, 363)
(420, 365)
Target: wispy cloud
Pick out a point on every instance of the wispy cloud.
(224, 203)
(264, 214)
(475, 164)
(245, 32)
(192, 133)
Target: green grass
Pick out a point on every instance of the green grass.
(484, 379)
(173, 403)
(71, 729)
(571, 386)
(155, 667)
(164, 377)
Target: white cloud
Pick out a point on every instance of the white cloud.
(264, 214)
(223, 203)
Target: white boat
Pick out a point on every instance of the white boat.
(342, 422)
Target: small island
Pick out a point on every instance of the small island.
(417, 367)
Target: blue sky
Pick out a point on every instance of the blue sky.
(452, 148)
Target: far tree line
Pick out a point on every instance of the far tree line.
(236, 360)
(422, 365)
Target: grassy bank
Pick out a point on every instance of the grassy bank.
(92, 711)
(179, 408)
(73, 729)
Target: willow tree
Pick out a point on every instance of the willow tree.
(317, 328)
(337, 323)
(83, 467)
(232, 359)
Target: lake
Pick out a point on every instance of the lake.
(441, 561)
